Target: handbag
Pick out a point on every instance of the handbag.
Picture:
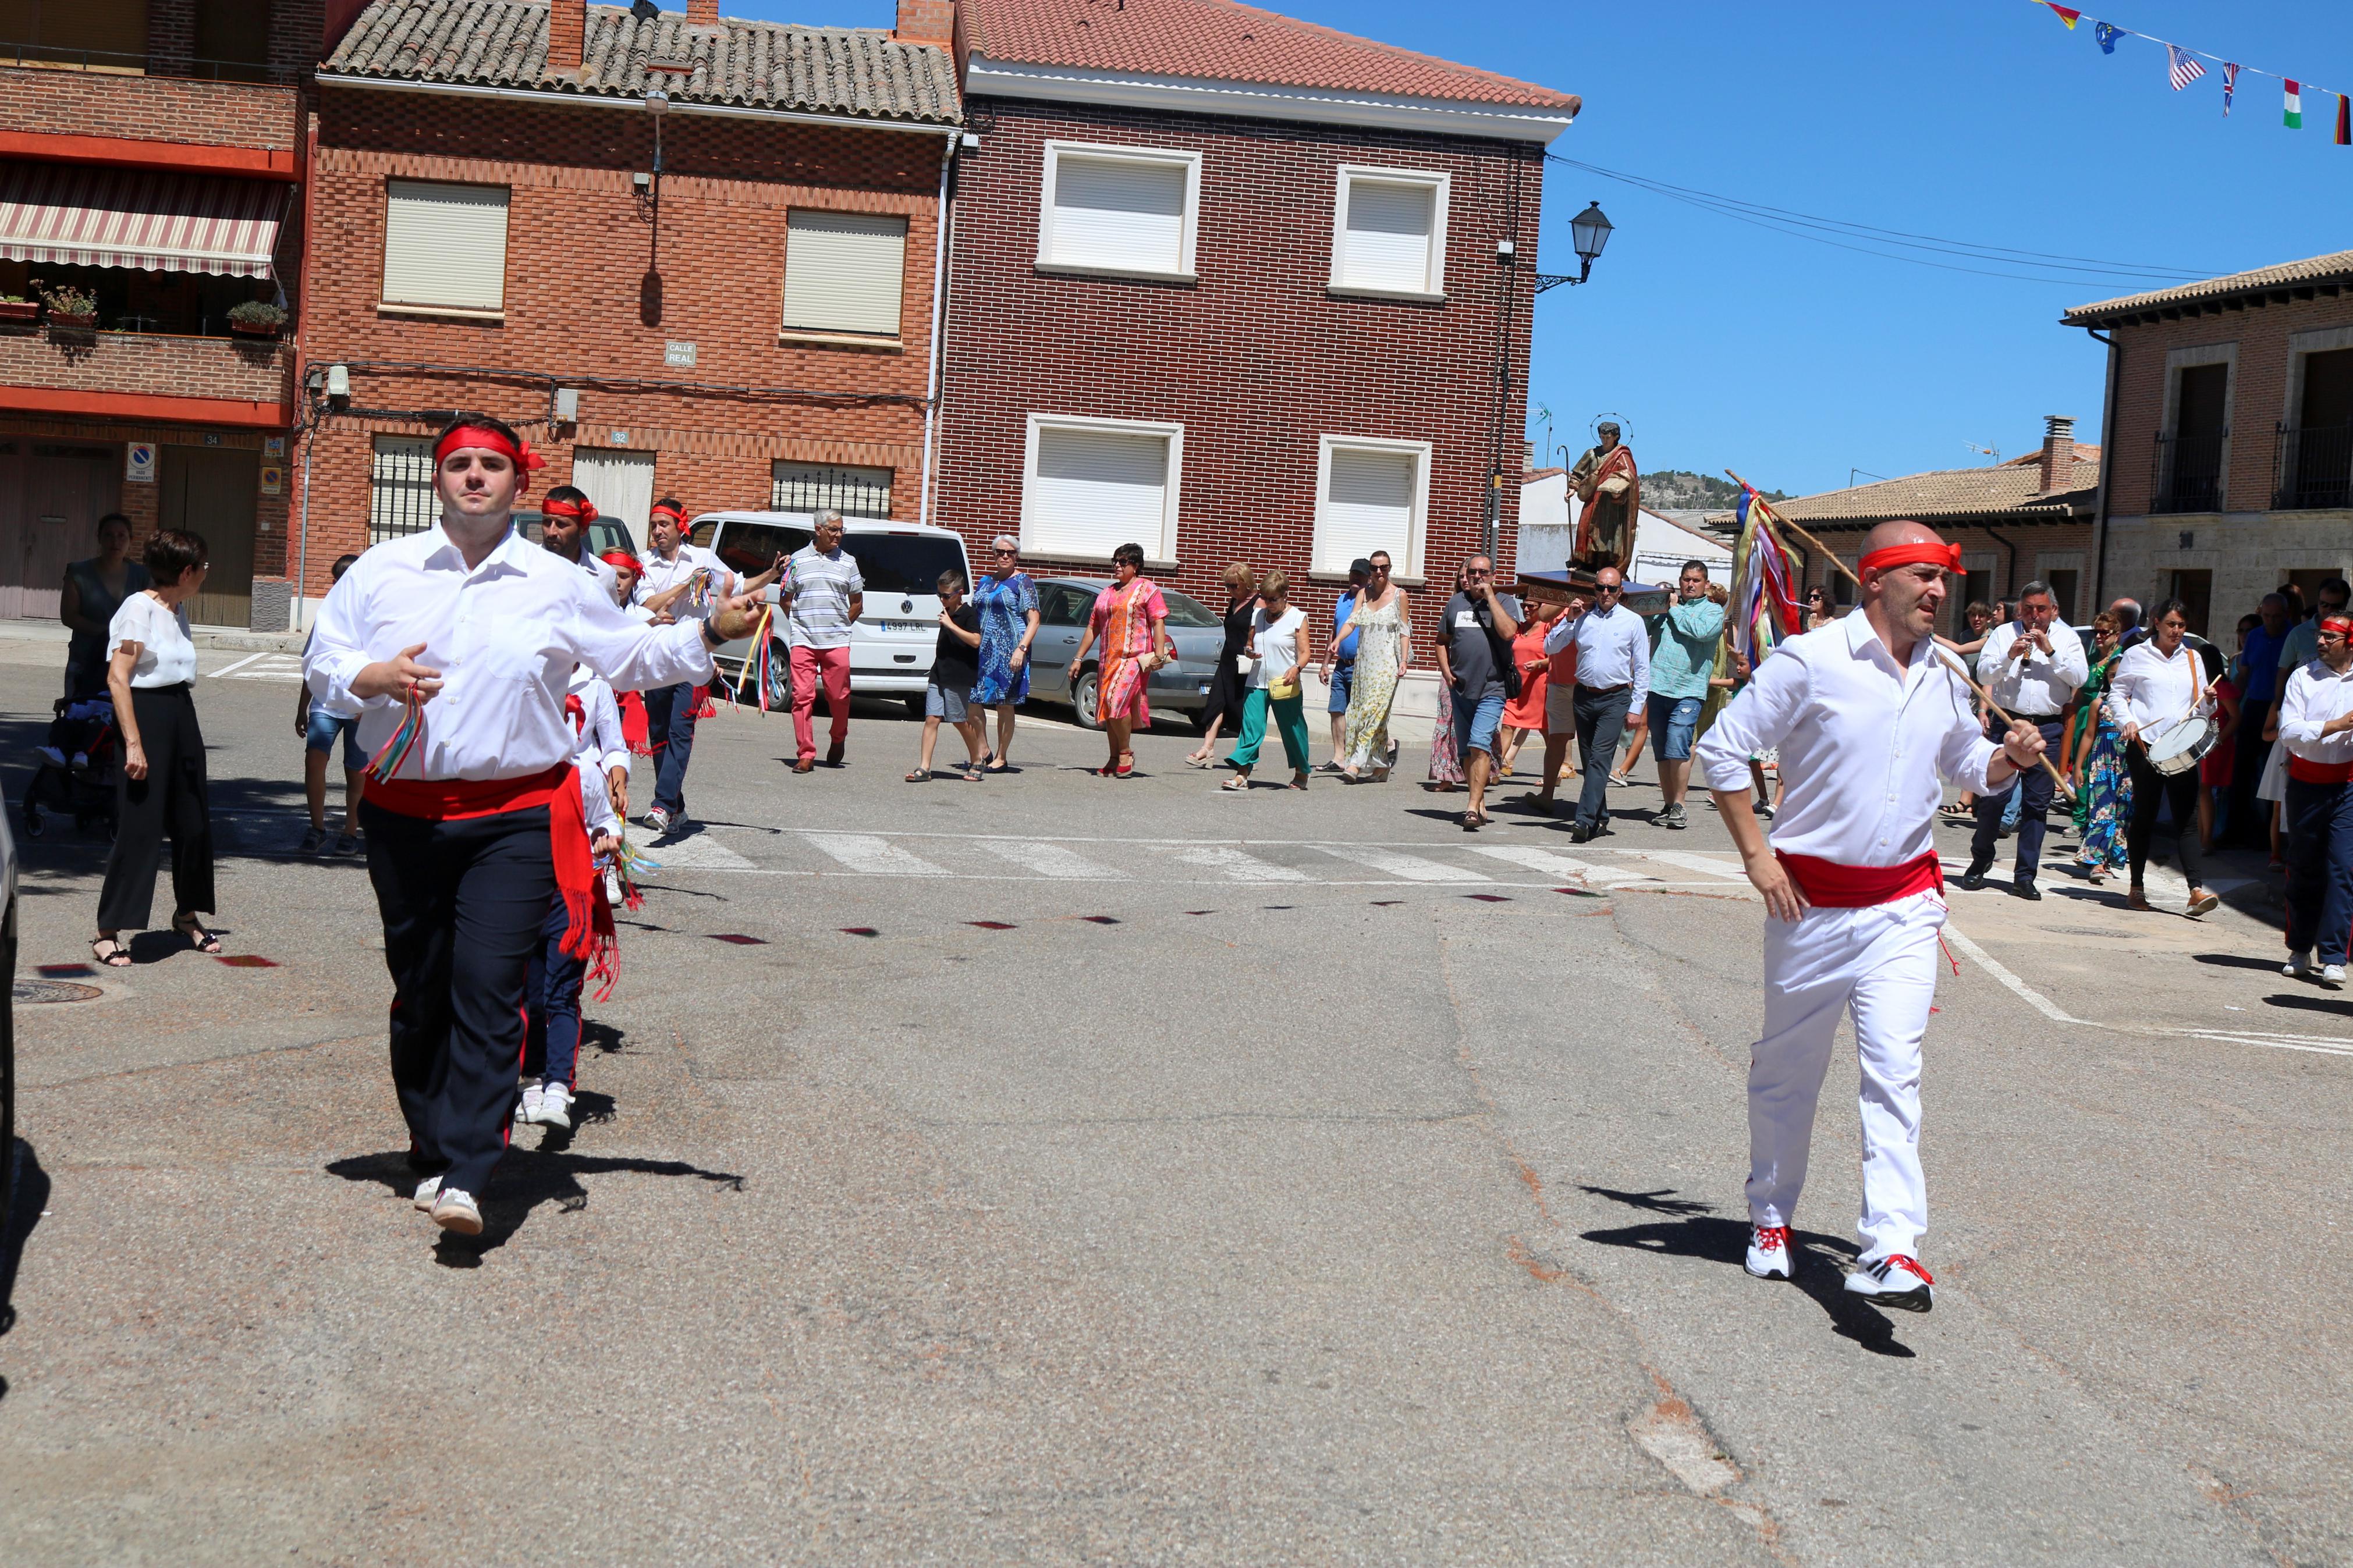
(1283, 691)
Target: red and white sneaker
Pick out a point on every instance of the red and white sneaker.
(1768, 1251)
(1894, 1280)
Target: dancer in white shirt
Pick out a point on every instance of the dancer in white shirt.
(684, 581)
(2316, 726)
(2161, 680)
(457, 647)
(1870, 721)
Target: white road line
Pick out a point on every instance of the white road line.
(240, 664)
(1407, 868)
(695, 852)
(1987, 962)
(1691, 862)
(870, 855)
(1237, 867)
(1053, 860)
(1563, 866)
(2277, 1042)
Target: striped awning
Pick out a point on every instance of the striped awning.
(70, 216)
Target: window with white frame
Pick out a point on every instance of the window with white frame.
(400, 488)
(1370, 495)
(1388, 231)
(445, 247)
(843, 272)
(1092, 485)
(1119, 209)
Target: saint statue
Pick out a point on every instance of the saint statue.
(1611, 492)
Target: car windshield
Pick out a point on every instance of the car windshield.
(902, 562)
(1184, 611)
(751, 548)
(605, 534)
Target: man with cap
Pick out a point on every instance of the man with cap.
(2315, 725)
(1870, 719)
(1340, 659)
(457, 647)
(672, 563)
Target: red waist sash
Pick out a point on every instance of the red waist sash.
(1830, 885)
(558, 789)
(2305, 771)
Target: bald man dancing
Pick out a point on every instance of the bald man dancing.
(1869, 721)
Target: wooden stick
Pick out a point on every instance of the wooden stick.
(1942, 653)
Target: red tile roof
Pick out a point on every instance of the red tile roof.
(1221, 41)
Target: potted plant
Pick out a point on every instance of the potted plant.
(71, 307)
(257, 318)
(16, 308)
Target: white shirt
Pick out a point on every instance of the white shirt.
(1613, 649)
(504, 636)
(602, 746)
(1277, 644)
(2314, 695)
(166, 657)
(2153, 690)
(2039, 685)
(1865, 744)
(661, 576)
(597, 567)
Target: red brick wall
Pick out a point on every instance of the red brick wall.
(146, 362)
(577, 252)
(1254, 359)
(149, 108)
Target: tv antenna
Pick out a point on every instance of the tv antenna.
(1992, 452)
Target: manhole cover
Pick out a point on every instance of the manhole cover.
(55, 991)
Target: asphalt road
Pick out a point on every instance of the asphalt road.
(1079, 1171)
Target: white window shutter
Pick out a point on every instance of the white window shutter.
(1097, 489)
(445, 244)
(844, 273)
(1120, 213)
(1368, 502)
(1389, 228)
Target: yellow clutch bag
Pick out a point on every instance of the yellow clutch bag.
(1283, 691)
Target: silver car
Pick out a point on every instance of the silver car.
(1063, 607)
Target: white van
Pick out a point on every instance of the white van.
(892, 646)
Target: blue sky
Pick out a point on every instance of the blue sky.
(1983, 121)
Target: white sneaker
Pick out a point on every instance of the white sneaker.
(527, 1108)
(1768, 1251)
(427, 1190)
(657, 819)
(2299, 965)
(1894, 1280)
(2333, 977)
(454, 1210)
(554, 1107)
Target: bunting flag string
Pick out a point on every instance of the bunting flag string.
(2182, 67)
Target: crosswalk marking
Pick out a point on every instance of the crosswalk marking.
(1563, 866)
(1406, 867)
(1691, 862)
(697, 851)
(262, 667)
(1051, 860)
(872, 855)
(1236, 866)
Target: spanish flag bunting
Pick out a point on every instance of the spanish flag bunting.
(2064, 15)
(2293, 113)
(2344, 120)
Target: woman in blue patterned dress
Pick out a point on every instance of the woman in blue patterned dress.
(2104, 792)
(1008, 601)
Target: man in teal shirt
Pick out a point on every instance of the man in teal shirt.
(1683, 657)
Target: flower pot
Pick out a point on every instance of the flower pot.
(20, 310)
(59, 319)
(243, 331)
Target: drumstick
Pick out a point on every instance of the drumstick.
(1949, 662)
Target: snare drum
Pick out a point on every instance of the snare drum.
(2176, 748)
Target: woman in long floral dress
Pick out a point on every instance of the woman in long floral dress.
(2103, 795)
(1130, 620)
(1382, 654)
(1008, 601)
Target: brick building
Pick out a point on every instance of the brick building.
(2233, 431)
(152, 156)
(747, 324)
(2025, 519)
(1230, 286)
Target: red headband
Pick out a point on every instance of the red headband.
(617, 558)
(675, 514)
(582, 509)
(2340, 625)
(519, 454)
(1924, 553)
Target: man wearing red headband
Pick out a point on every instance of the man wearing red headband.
(565, 517)
(1870, 721)
(2316, 726)
(674, 565)
(457, 647)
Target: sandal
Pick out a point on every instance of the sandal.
(198, 937)
(1957, 810)
(114, 955)
(921, 775)
(2137, 900)
(970, 772)
(1298, 782)
(1239, 782)
(1126, 766)
(1195, 759)
(995, 765)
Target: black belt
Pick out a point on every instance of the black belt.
(1606, 690)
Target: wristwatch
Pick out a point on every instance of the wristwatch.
(711, 639)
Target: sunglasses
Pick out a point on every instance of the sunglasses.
(1608, 588)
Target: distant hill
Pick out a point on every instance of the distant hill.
(1676, 489)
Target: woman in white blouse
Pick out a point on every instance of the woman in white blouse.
(2158, 682)
(151, 671)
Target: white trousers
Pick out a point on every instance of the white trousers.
(1881, 963)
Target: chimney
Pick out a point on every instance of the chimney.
(2058, 452)
(568, 26)
(702, 13)
(927, 22)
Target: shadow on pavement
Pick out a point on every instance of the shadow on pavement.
(1820, 1262)
(2338, 1009)
(526, 1178)
(2236, 960)
(32, 1191)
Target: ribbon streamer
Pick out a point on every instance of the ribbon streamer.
(386, 764)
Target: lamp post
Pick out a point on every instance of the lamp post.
(1589, 234)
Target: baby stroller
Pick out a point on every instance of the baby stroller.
(77, 767)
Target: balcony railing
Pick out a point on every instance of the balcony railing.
(2188, 474)
(146, 364)
(53, 56)
(2315, 468)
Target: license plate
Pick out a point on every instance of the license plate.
(910, 625)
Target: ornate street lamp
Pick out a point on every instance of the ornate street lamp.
(1589, 233)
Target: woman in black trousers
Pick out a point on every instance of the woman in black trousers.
(151, 672)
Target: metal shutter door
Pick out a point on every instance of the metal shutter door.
(1389, 236)
(843, 271)
(1116, 212)
(1367, 506)
(1097, 489)
(445, 244)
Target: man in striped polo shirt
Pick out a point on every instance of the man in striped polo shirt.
(823, 594)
